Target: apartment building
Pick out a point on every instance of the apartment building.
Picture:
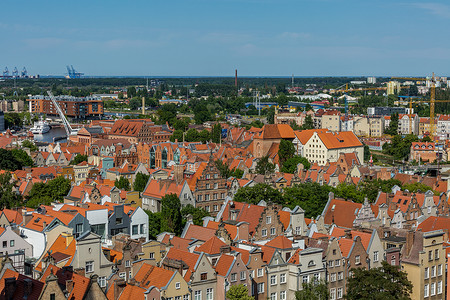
(331, 120)
(72, 107)
(408, 124)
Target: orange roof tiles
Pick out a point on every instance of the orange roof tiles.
(341, 212)
(19, 292)
(276, 131)
(211, 246)
(37, 222)
(280, 242)
(345, 245)
(187, 257)
(435, 223)
(80, 283)
(199, 233)
(343, 139)
(231, 229)
(149, 275)
(13, 216)
(224, 263)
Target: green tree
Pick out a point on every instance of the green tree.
(171, 220)
(263, 166)
(167, 113)
(22, 157)
(349, 192)
(140, 182)
(290, 165)
(238, 292)
(122, 183)
(286, 150)
(181, 124)
(386, 282)
(309, 124)
(370, 188)
(135, 102)
(9, 162)
(216, 134)
(311, 197)
(78, 159)
(197, 214)
(8, 197)
(154, 224)
(257, 193)
(399, 147)
(416, 187)
(366, 153)
(131, 91)
(271, 115)
(45, 193)
(29, 144)
(313, 291)
(393, 125)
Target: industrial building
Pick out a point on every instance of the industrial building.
(385, 111)
(72, 107)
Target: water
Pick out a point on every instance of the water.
(48, 137)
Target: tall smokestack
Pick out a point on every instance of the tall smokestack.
(143, 105)
(235, 78)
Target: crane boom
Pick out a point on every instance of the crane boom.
(67, 127)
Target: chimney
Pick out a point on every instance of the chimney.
(348, 234)
(409, 241)
(119, 286)
(27, 287)
(243, 231)
(44, 224)
(69, 286)
(10, 287)
(178, 173)
(225, 249)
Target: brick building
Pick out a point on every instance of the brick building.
(72, 107)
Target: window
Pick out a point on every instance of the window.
(215, 207)
(142, 229)
(127, 263)
(283, 295)
(204, 276)
(233, 277)
(260, 272)
(357, 260)
(436, 254)
(89, 267)
(393, 261)
(52, 296)
(135, 229)
(340, 293)
(433, 271)
(177, 285)
(268, 220)
(426, 290)
(283, 278)
(123, 275)
(430, 255)
(264, 232)
(260, 287)
(337, 262)
(332, 294)
(340, 275)
(375, 256)
(439, 270)
(129, 275)
(102, 281)
(330, 263)
(333, 277)
(273, 296)
(177, 297)
(198, 295)
(209, 294)
(273, 279)
(305, 279)
(207, 186)
(207, 197)
(199, 197)
(243, 276)
(216, 186)
(152, 255)
(433, 289)
(272, 231)
(439, 287)
(316, 277)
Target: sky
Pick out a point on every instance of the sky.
(215, 37)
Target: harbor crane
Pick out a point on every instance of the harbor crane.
(69, 130)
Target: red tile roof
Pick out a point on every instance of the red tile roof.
(223, 264)
(80, 283)
(435, 223)
(280, 242)
(149, 275)
(199, 233)
(211, 246)
(19, 292)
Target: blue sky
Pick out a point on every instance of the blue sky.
(214, 37)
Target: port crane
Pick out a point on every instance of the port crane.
(432, 101)
(69, 130)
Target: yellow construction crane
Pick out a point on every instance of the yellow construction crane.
(432, 101)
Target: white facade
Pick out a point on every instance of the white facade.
(139, 224)
(11, 241)
(35, 238)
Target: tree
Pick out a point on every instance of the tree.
(349, 192)
(140, 182)
(263, 166)
(78, 159)
(135, 103)
(311, 197)
(29, 144)
(167, 113)
(238, 292)
(197, 214)
(393, 125)
(313, 291)
(271, 115)
(216, 134)
(385, 282)
(366, 152)
(399, 147)
(257, 193)
(122, 183)
(290, 165)
(22, 157)
(309, 124)
(154, 224)
(131, 91)
(370, 188)
(171, 220)
(416, 187)
(286, 150)
(8, 197)
(13, 160)
(45, 193)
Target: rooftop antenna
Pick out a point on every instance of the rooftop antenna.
(292, 80)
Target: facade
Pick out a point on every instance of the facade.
(331, 120)
(72, 107)
(408, 123)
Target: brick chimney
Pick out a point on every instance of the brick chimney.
(69, 286)
(225, 249)
(10, 287)
(27, 287)
(119, 286)
(410, 235)
(348, 234)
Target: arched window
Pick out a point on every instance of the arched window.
(164, 158)
(152, 158)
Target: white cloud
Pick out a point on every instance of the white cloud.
(437, 9)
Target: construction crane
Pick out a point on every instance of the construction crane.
(432, 101)
(24, 73)
(6, 73)
(15, 73)
(72, 73)
(67, 127)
